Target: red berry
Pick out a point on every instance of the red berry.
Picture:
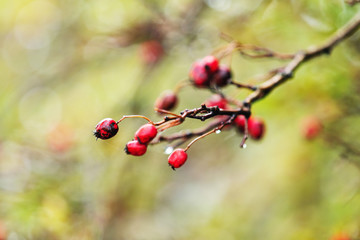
(256, 128)
(167, 100)
(177, 158)
(135, 148)
(106, 128)
(222, 77)
(216, 100)
(240, 122)
(199, 75)
(3, 231)
(146, 133)
(311, 127)
(211, 63)
(341, 236)
(151, 51)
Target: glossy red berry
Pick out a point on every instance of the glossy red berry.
(177, 158)
(167, 100)
(311, 127)
(106, 128)
(222, 77)
(135, 148)
(211, 63)
(216, 100)
(256, 128)
(146, 133)
(199, 75)
(240, 122)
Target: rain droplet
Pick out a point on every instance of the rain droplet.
(168, 150)
(218, 131)
(244, 146)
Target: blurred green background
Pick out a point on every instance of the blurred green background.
(65, 65)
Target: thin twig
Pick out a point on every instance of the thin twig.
(352, 2)
(218, 128)
(134, 116)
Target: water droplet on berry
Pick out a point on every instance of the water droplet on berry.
(168, 150)
(218, 131)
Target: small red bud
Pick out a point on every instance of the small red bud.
(222, 77)
(135, 148)
(177, 158)
(146, 133)
(256, 128)
(106, 128)
(167, 100)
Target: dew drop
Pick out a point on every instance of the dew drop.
(168, 150)
(218, 131)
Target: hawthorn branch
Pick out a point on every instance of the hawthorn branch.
(202, 113)
(278, 77)
(302, 57)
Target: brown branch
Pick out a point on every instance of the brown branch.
(304, 56)
(278, 77)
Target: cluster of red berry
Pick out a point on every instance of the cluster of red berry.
(107, 128)
(205, 73)
(143, 137)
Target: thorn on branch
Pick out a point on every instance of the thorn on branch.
(285, 74)
(327, 50)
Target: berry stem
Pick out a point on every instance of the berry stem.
(135, 116)
(246, 134)
(183, 83)
(218, 128)
(188, 134)
(200, 137)
(166, 112)
(169, 124)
